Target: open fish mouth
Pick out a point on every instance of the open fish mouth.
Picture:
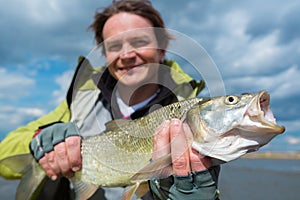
(259, 115)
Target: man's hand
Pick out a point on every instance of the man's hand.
(175, 137)
(57, 148)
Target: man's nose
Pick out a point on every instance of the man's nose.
(127, 52)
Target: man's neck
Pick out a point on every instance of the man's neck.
(133, 95)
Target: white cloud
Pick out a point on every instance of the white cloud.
(239, 54)
(37, 12)
(281, 85)
(233, 28)
(12, 117)
(287, 82)
(291, 125)
(257, 54)
(13, 85)
(293, 140)
(48, 13)
(47, 29)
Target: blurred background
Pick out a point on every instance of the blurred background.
(254, 44)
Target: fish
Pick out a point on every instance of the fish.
(224, 128)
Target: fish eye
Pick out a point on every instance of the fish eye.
(230, 100)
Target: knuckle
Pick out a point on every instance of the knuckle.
(76, 162)
(180, 163)
(63, 163)
(43, 161)
(48, 170)
(60, 152)
(50, 156)
(55, 168)
(72, 142)
(51, 160)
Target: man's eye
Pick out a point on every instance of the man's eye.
(139, 43)
(114, 47)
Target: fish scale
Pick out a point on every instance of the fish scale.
(129, 146)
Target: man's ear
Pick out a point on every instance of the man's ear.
(162, 55)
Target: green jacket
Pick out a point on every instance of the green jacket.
(80, 100)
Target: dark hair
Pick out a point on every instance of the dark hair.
(142, 8)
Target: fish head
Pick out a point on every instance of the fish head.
(227, 127)
(259, 116)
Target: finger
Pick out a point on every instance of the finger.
(47, 168)
(197, 160)
(161, 146)
(179, 149)
(63, 160)
(50, 156)
(72, 144)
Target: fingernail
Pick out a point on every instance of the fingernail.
(75, 169)
(175, 122)
(53, 178)
(165, 124)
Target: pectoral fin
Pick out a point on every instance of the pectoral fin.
(139, 188)
(129, 191)
(158, 169)
(83, 190)
(142, 189)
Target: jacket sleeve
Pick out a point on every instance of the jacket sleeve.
(198, 185)
(17, 141)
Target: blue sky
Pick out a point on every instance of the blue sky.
(255, 45)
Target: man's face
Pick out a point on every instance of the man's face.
(131, 49)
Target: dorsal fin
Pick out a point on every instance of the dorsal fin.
(114, 124)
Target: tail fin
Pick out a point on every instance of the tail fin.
(33, 176)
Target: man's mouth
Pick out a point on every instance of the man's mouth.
(128, 68)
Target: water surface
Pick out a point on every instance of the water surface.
(246, 179)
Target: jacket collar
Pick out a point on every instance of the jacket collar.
(106, 83)
(168, 85)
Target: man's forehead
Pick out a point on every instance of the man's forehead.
(136, 33)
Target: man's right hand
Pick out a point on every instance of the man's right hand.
(175, 138)
(57, 148)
